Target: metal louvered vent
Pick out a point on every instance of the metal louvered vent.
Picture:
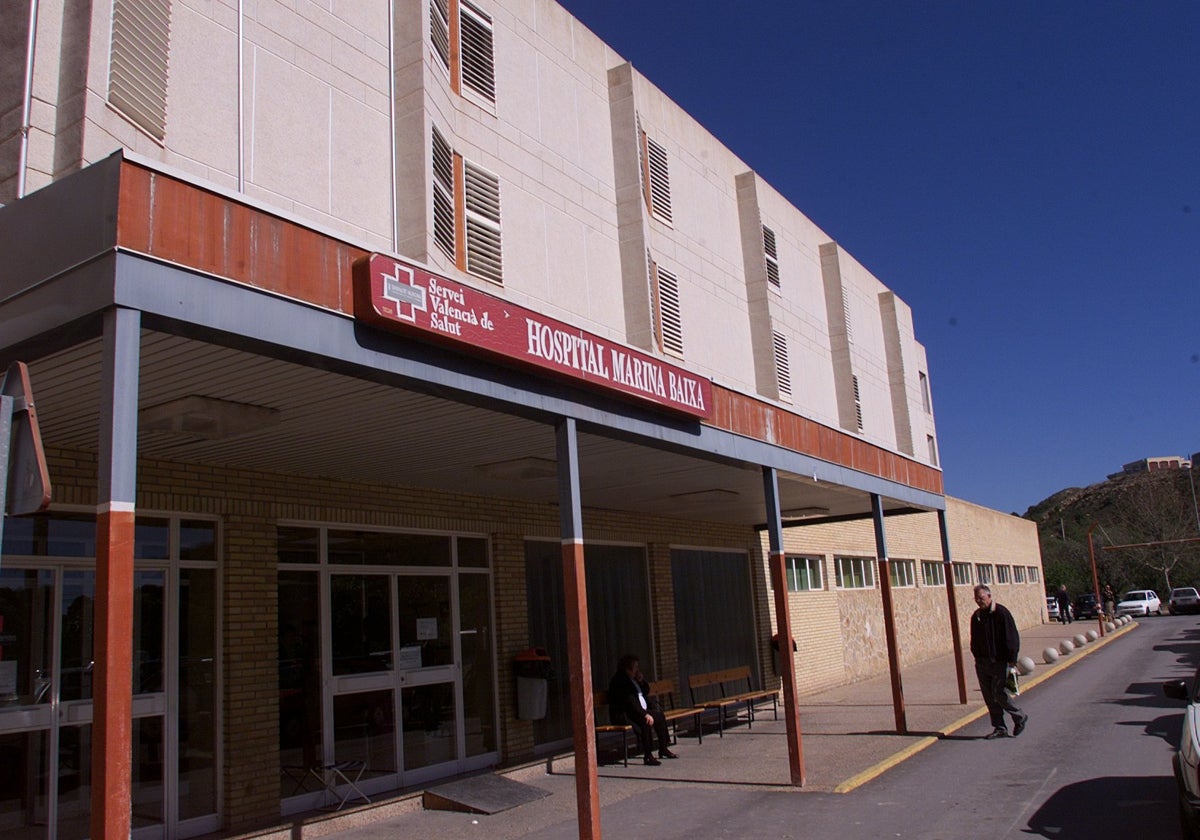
(783, 369)
(478, 51)
(660, 180)
(670, 324)
(846, 315)
(858, 415)
(484, 256)
(439, 30)
(771, 255)
(138, 63)
(443, 194)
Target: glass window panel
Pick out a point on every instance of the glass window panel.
(364, 729)
(360, 616)
(26, 604)
(197, 693)
(24, 782)
(152, 539)
(429, 730)
(473, 552)
(299, 676)
(148, 621)
(425, 629)
(51, 535)
(298, 545)
(372, 548)
(74, 782)
(147, 774)
(477, 663)
(79, 601)
(198, 541)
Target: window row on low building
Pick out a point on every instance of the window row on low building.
(807, 573)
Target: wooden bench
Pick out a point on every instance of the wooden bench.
(664, 692)
(606, 729)
(729, 690)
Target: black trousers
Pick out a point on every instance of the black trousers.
(644, 736)
(991, 684)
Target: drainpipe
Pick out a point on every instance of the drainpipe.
(27, 102)
(392, 119)
(241, 74)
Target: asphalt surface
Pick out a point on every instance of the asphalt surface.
(849, 737)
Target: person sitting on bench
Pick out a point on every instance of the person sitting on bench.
(629, 702)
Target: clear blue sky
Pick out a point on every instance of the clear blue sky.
(1025, 175)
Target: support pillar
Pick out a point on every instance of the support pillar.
(955, 631)
(112, 723)
(579, 656)
(783, 627)
(889, 614)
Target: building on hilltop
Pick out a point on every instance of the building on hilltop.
(353, 330)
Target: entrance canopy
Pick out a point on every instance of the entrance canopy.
(269, 371)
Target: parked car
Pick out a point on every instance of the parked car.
(1087, 605)
(1051, 608)
(1139, 602)
(1184, 599)
(1187, 758)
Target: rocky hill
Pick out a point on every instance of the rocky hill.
(1124, 513)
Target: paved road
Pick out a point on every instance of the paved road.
(1094, 762)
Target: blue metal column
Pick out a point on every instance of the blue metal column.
(783, 625)
(583, 713)
(112, 722)
(889, 614)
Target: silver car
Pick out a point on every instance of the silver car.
(1184, 599)
(1187, 759)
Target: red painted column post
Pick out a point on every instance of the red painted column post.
(783, 627)
(112, 718)
(955, 631)
(579, 649)
(889, 615)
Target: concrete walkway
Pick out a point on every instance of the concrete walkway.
(848, 735)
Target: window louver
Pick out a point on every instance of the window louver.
(138, 69)
(858, 413)
(439, 30)
(660, 180)
(478, 51)
(670, 324)
(771, 255)
(783, 370)
(846, 315)
(484, 256)
(443, 194)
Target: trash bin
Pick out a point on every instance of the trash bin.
(532, 668)
(775, 652)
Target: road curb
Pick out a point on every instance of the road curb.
(860, 779)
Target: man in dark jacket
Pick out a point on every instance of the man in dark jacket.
(1064, 604)
(629, 702)
(995, 644)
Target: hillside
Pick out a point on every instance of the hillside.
(1128, 510)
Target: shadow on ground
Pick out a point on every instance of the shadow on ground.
(1113, 806)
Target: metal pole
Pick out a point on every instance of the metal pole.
(27, 101)
(955, 630)
(6, 412)
(889, 615)
(1095, 579)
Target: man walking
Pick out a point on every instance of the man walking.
(995, 644)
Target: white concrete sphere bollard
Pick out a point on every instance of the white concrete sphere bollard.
(1092, 635)
(1109, 626)
(1025, 666)
(1065, 646)
(1050, 656)
(1080, 640)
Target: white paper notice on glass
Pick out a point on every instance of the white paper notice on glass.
(8, 678)
(427, 629)
(410, 657)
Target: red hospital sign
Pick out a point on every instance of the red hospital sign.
(396, 295)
